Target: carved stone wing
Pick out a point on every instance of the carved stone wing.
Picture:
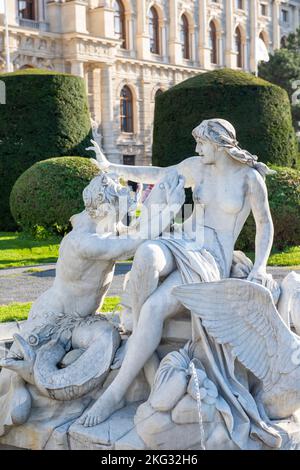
(242, 314)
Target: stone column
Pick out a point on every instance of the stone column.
(164, 41)
(41, 18)
(97, 93)
(244, 56)
(41, 12)
(276, 24)
(220, 49)
(130, 34)
(253, 35)
(204, 51)
(192, 47)
(196, 44)
(107, 113)
(77, 68)
(229, 51)
(174, 40)
(146, 116)
(142, 36)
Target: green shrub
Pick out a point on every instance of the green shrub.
(45, 115)
(259, 110)
(284, 199)
(46, 195)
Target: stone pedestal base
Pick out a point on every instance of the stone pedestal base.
(117, 433)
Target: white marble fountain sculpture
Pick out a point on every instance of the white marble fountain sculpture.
(230, 381)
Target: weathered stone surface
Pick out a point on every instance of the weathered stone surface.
(178, 329)
(7, 330)
(104, 435)
(47, 425)
(139, 389)
(186, 411)
(131, 441)
(158, 431)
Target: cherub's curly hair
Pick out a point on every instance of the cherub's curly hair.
(103, 189)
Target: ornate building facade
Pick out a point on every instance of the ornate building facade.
(129, 50)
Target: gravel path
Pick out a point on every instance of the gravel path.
(27, 283)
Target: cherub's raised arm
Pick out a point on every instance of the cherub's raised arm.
(140, 174)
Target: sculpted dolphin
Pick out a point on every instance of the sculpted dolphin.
(42, 366)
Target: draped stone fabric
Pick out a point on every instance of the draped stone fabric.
(246, 426)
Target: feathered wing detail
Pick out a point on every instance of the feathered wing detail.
(242, 314)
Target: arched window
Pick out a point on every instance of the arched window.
(154, 31)
(158, 92)
(184, 37)
(126, 110)
(213, 43)
(238, 47)
(26, 66)
(26, 9)
(119, 22)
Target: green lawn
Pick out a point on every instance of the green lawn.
(290, 256)
(19, 311)
(17, 249)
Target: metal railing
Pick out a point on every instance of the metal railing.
(33, 24)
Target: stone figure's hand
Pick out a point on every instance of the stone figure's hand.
(102, 161)
(174, 187)
(259, 276)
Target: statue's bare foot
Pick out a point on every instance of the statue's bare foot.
(104, 407)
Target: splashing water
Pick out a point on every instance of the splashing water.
(199, 406)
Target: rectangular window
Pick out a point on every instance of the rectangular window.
(26, 9)
(129, 160)
(285, 16)
(240, 4)
(264, 9)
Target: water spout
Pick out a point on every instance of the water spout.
(199, 405)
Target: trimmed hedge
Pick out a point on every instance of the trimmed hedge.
(259, 110)
(284, 199)
(46, 114)
(50, 192)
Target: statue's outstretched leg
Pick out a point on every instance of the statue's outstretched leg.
(144, 341)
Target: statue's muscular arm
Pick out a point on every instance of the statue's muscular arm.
(264, 226)
(153, 174)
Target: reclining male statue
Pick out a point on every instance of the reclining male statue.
(64, 314)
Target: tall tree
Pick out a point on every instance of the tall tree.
(283, 69)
